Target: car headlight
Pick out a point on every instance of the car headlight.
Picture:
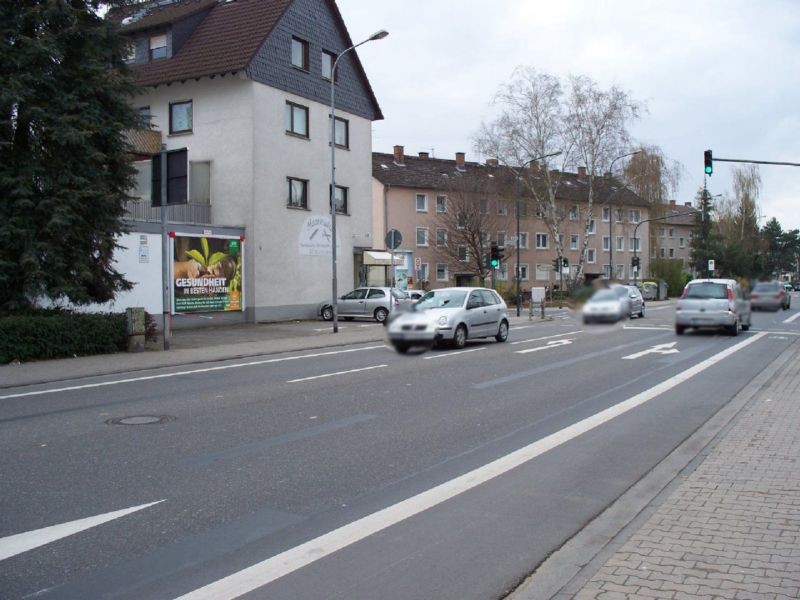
(442, 320)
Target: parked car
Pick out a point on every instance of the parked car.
(797, 286)
(635, 299)
(414, 295)
(365, 303)
(450, 315)
(713, 303)
(606, 306)
(770, 295)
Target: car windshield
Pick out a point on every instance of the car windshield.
(440, 299)
(765, 287)
(706, 291)
(603, 296)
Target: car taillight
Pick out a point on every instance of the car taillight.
(685, 290)
(730, 295)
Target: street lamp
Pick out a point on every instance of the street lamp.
(332, 194)
(516, 176)
(611, 217)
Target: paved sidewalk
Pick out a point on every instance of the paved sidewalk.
(731, 529)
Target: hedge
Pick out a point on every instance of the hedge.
(59, 334)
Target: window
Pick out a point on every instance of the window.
(376, 293)
(661, 232)
(441, 237)
(461, 221)
(298, 193)
(672, 232)
(297, 119)
(422, 272)
(340, 199)
(441, 204)
(607, 271)
(543, 272)
(328, 58)
(143, 180)
(300, 54)
(541, 241)
(573, 212)
(422, 236)
(681, 242)
(663, 252)
(484, 207)
(180, 117)
(177, 177)
(634, 244)
(619, 215)
(341, 133)
(606, 214)
(145, 117)
(634, 216)
(158, 46)
(502, 209)
(590, 255)
(130, 53)
(524, 272)
(422, 203)
(484, 239)
(523, 240)
(606, 243)
(672, 252)
(463, 254)
(620, 272)
(501, 238)
(441, 272)
(573, 242)
(502, 272)
(620, 243)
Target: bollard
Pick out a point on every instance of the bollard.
(135, 329)
(542, 309)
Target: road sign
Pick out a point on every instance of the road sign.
(710, 264)
(393, 239)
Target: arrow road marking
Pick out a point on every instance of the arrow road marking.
(551, 344)
(657, 349)
(22, 542)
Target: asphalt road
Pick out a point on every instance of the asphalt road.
(352, 472)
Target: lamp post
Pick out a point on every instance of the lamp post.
(524, 165)
(611, 217)
(332, 194)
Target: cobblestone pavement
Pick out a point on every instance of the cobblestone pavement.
(731, 529)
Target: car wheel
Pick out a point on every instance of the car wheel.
(401, 348)
(745, 327)
(641, 312)
(735, 328)
(460, 337)
(679, 329)
(381, 314)
(502, 332)
(327, 313)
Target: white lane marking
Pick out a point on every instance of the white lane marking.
(551, 344)
(266, 571)
(22, 542)
(456, 353)
(775, 332)
(336, 373)
(652, 328)
(547, 337)
(192, 372)
(649, 308)
(792, 318)
(657, 349)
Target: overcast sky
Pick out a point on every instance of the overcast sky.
(718, 74)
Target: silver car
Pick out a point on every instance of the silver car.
(713, 303)
(636, 301)
(365, 303)
(450, 315)
(606, 306)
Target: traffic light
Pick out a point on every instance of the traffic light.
(500, 251)
(565, 262)
(635, 261)
(494, 255)
(707, 160)
(557, 263)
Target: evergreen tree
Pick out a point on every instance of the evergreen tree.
(64, 167)
(705, 242)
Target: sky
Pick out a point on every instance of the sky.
(713, 74)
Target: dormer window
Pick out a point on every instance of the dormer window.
(300, 54)
(158, 46)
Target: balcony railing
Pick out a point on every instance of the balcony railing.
(139, 210)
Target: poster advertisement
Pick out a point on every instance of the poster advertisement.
(206, 274)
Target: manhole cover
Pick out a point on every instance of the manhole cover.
(141, 420)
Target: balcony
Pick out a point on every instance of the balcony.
(192, 213)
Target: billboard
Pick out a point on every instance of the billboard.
(206, 273)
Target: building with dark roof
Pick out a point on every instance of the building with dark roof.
(238, 92)
(672, 235)
(413, 194)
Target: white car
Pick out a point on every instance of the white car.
(606, 306)
(450, 315)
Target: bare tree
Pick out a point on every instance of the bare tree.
(541, 115)
(476, 209)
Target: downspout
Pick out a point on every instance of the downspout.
(386, 187)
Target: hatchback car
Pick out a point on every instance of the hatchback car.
(606, 305)
(770, 295)
(713, 303)
(450, 315)
(635, 299)
(365, 302)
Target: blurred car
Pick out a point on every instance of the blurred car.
(606, 306)
(770, 295)
(414, 295)
(797, 286)
(450, 315)
(365, 303)
(713, 303)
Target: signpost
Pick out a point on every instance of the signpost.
(393, 240)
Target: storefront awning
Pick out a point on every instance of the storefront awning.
(373, 257)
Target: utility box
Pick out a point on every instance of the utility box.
(136, 329)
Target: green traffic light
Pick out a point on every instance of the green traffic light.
(495, 263)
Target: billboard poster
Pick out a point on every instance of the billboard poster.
(206, 274)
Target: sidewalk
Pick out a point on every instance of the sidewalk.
(728, 526)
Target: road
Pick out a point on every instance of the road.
(352, 472)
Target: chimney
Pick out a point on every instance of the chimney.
(687, 204)
(398, 155)
(581, 172)
(492, 162)
(423, 155)
(460, 161)
(534, 168)
(672, 203)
